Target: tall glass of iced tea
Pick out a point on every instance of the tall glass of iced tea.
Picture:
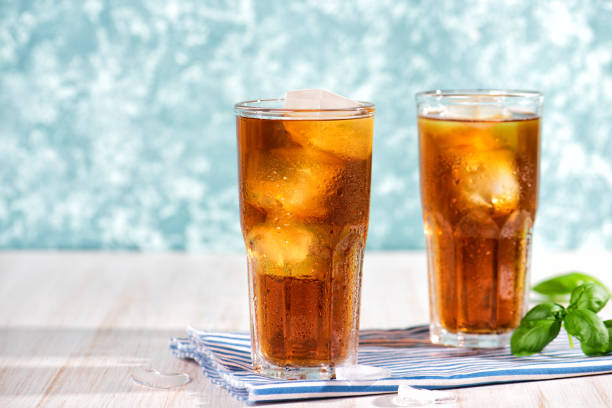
(479, 190)
(304, 179)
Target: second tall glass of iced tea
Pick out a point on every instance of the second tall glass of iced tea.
(304, 179)
(479, 153)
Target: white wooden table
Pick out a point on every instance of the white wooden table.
(73, 326)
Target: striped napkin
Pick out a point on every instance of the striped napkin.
(226, 359)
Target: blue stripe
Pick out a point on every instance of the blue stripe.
(325, 388)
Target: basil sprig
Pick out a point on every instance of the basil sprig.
(543, 322)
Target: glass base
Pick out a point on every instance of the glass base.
(440, 335)
(321, 372)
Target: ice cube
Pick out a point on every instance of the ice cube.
(281, 244)
(347, 138)
(290, 250)
(461, 138)
(476, 109)
(350, 138)
(487, 180)
(317, 99)
(408, 396)
(292, 181)
(361, 372)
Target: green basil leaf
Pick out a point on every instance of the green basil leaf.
(564, 284)
(593, 350)
(537, 328)
(530, 340)
(608, 324)
(586, 326)
(590, 295)
(544, 311)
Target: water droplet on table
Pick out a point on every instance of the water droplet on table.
(408, 396)
(150, 377)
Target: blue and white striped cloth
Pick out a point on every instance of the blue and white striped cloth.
(226, 359)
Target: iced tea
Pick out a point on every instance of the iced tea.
(479, 187)
(304, 200)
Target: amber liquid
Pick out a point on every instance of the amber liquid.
(304, 200)
(479, 183)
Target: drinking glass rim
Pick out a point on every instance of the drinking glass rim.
(459, 94)
(247, 109)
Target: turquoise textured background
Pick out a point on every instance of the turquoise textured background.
(117, 128)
